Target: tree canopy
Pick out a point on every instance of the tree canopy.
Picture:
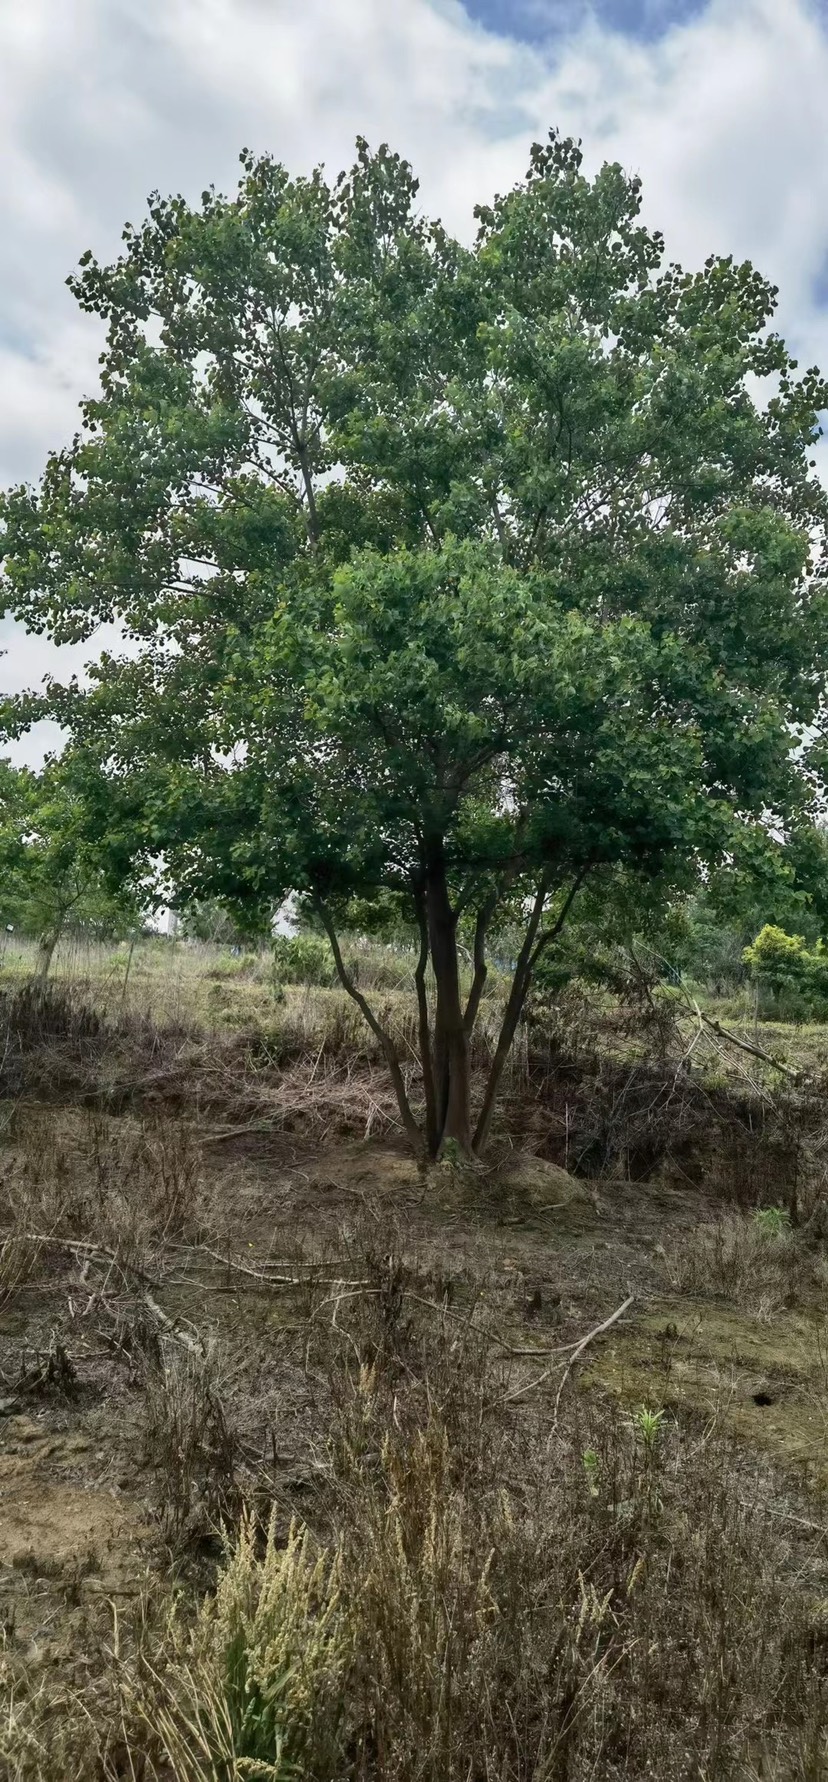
(456, 576)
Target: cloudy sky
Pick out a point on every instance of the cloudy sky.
(720, 105)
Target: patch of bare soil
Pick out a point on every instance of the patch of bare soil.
(75, 1539)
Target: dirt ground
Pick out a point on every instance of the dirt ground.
(281, 1239)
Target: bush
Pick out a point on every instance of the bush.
(302, 959)
(753, 1260)
(792, 980)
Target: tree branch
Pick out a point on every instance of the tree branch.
(552, 933)
(529, 954)
(376, 1027)
(481, 929)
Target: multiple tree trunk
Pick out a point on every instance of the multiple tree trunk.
(444, 1036)
(445, 1033)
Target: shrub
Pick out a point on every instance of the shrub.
(254, 1689)
(302, 959)
(791, 978)
(753, 1260)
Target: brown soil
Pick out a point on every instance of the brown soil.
(529, 1255)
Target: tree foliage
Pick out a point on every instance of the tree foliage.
(787, 973)
(458, 578)
(59, 868)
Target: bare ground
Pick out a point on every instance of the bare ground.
(281, 1241)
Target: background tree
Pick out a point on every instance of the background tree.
(56, 872)
(455, 575)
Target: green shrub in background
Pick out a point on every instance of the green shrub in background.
(302, 959)
(791, 978)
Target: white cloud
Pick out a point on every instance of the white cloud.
(102, 100)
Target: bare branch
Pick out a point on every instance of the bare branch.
(481, 929)
(385, 1040)
(591, 1334)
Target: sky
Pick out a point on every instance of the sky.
(719, 105)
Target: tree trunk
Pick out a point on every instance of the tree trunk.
(511, 1016)
(424, 1026)
(481, 970)
(530, 952)
(45, 953)
(451, 1040)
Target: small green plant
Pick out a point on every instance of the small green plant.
(648, 1430)
(592, 1470)
(772, 1222)
(648, 1426)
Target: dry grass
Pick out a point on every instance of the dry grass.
(755, 1261)
(486, 1601)
(92, 1184)
(188, 1441)
(448, 1577)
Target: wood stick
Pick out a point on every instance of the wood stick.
(577, 1349)
(78, 1247)
(598, 1331)
(745, 1045)
(172, 1327)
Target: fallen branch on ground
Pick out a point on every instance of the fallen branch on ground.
(577, 1348)
(598, 1331)
(79, 1247)
(173, 1328)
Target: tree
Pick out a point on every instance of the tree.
(456, 576)
(53, 863)
(783, 968)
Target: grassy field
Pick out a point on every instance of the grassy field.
(315, 1463)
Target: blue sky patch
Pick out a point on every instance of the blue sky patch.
(534, 21)
(820, 285)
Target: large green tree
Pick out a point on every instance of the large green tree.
(453, 574)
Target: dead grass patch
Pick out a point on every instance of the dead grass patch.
(759, 1265)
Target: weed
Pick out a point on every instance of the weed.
(592, 1470)
(754, 1261)
(648, 1425)
(188, 1443)
(254, 1686)
(500, 1626)
(19, 1252)
(772, 1222)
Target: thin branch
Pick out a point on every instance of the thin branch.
(577, 1349)
(552, 933)
(481, 929)
(598, 1331)
(264, 1274)
(385, 1040)
(172, 1326)
(743, 1045)
(78, 1247)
